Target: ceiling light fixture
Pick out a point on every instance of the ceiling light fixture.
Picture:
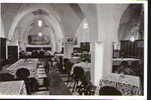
(40, 34)
(134, 33)
(132, 38)
(40, 23)
(85, 25)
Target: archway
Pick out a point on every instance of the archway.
(51, 19)
(131, 21)
(28, 27)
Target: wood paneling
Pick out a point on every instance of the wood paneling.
(132, 49)
(2, 52)
(12, 54)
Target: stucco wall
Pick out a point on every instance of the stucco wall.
(67, 17)
(108, 23)
(1, 26)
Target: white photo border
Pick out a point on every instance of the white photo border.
(51, 97)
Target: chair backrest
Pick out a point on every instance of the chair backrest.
(108, 90)
(68, 65)
(22, 73)
(31, 85)
(78, 73)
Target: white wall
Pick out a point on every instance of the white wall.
(103, 23)
(98, 69)
(83, 34)
(108, 22)
(1, 26)
(90, 12)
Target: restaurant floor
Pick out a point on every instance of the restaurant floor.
(43, 90)
(63, 77)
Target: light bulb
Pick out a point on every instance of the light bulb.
(132, 39)
(85, 25)
(40, 23)
(40, 34)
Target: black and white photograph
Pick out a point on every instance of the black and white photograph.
(72, 49)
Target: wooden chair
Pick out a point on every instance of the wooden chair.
(31, 83)
(108, 90)
(78, 76)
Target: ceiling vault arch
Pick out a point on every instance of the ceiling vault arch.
(57, 35)
(54, 22)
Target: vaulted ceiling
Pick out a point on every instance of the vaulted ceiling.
(63, 20)
(69, 17)
(132, 20)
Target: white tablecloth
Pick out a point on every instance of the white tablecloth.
(30, 64)
(126, 84)
(12, 88)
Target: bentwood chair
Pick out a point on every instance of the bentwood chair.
(86, 88)
(78, 76)
(31, 83)
(108, 90)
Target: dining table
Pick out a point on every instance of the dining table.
(30, 64)
(12, 88)
(126, 84)
(35, 66)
